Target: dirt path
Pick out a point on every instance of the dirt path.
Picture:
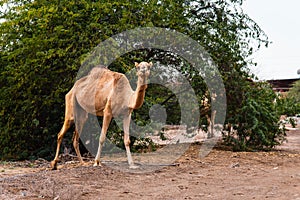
(220, 175)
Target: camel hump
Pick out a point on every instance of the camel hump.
(97, 72)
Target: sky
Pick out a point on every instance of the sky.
(281, 22)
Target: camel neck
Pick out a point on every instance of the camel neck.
(139, 94)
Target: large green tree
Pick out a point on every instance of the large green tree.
(43, 44)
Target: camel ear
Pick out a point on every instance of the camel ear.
(136, 64)
(150, 64)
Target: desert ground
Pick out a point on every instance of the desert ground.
(222, 174)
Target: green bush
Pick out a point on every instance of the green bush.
(287, 106)
(256, 123)
(43, 44)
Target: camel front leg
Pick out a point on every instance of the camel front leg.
(126, 124)
(106, 121)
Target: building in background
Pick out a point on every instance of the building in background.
(282, 86)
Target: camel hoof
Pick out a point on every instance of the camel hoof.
(133, 167)
(97, 164)
(53, 165)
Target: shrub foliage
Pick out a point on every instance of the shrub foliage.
(43, 43)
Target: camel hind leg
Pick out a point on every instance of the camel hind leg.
(76, 146)
(80, 119)
(69, 120)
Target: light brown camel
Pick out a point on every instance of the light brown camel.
(209, 114)
(103, 93)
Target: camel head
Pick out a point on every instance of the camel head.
(143, 69)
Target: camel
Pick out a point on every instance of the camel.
(210, 117)
(103, 93)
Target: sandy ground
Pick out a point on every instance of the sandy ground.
(220, 175)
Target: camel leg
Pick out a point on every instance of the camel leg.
(80, 118)
(106, 121)
(126, 124)
(212, 123)
(66, 126)
(76, 146)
